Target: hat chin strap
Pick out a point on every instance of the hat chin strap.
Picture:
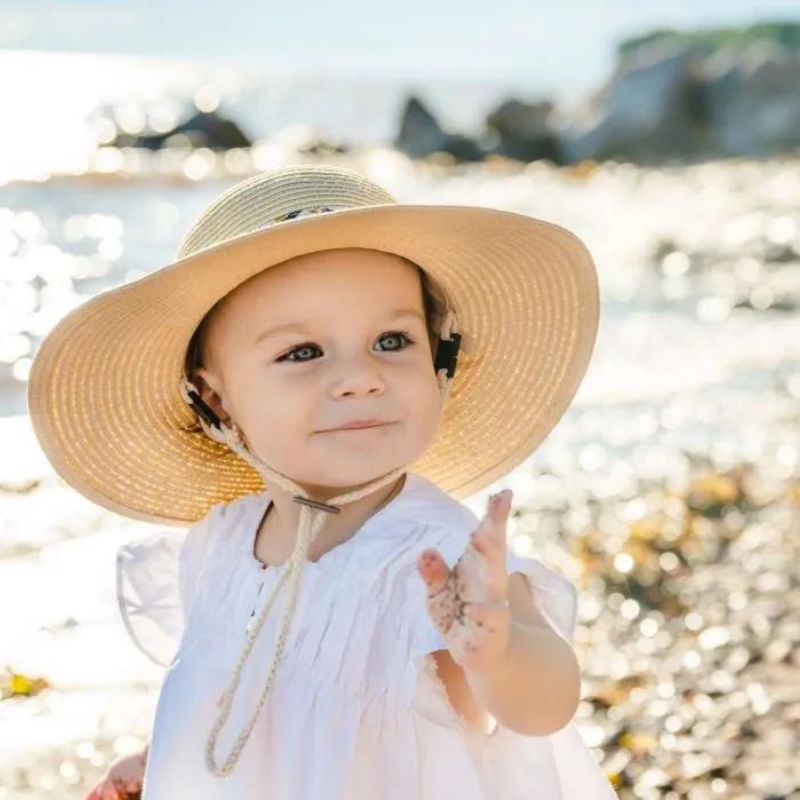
(311, 520)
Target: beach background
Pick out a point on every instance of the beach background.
(670, 490)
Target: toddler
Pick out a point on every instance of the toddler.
(312, 387)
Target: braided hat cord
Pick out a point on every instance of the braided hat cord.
(310, 522)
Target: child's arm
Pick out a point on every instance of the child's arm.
(474, 716)
(506, 691)
(534, 687)
(503, 657)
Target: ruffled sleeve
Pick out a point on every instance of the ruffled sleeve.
(555, 597)
(157, 577)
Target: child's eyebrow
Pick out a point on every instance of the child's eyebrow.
(299, 327)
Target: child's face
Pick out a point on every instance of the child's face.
(287, 389)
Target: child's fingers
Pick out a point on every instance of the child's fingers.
(489, 538)
(441, 600)
(433, 569)
(485, 542)
(500, 507)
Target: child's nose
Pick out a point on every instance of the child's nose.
(359, 376)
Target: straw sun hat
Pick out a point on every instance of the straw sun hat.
(106, 396)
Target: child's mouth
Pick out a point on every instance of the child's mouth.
(359, 425)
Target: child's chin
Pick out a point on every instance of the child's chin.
(355, 474)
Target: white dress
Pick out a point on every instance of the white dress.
(356, 711)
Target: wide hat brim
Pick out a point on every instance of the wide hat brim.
(103, 389)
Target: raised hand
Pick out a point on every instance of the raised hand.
(469, 603)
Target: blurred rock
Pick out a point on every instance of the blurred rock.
(716, 91)
(771, 304)
(421, 135)
(753, 101)
(524, 130)
(202, 129)
(308, 140)
(650, 109)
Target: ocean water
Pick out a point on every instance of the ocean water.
(51, 122)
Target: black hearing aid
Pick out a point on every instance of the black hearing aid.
(204, 410)
(447, 354)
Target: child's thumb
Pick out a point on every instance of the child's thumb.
(433, 569)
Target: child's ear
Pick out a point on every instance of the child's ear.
(211, 392)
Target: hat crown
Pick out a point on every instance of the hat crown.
(279, 195)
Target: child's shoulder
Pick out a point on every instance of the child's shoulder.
(221, 534)
(228, 511)
(220, 518)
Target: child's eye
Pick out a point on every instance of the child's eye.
(399, 336)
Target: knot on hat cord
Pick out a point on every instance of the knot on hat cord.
(310, 522)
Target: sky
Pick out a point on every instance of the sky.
(564, 45)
